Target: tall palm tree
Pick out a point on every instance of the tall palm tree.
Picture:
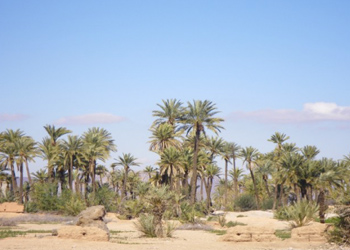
(149, 170)
(97, 145)
(49, 153)
(26, 151)
(235, 151)
(9, 152)
(278, 138)
(127, 161)
(310, 152)
(171, 112)
(171, 164)
(200, 115)
(163, 137)
(226, 155)
(209, 173)
(55, 134)
(72, 150)
(250, 155)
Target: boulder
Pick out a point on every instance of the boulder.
(92, 217)
(83, 233)
(250, 234)
(11, 207)
(315, 232)
(88, 226)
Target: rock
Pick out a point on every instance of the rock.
(83, 233)
(250, 234)
(311, 233)
(92, 217)
(11, 207)
(88, 226)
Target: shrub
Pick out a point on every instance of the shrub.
(145, 225)
(44, 197)
(222, 220)
(133, 208)
(299, 213)
(267, 204)
(70, 203)
(104, 196)
(245, 202)
(341, 232)
(234, 223)
(283, 234)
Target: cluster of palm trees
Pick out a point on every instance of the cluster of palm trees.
(187, 162)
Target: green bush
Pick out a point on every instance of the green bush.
(267, 204)
(145, 225)
(70, 203)
(299, 214)
(133, 208)
(245, 202)
(234, 223)
(104, 196)
(44, 197)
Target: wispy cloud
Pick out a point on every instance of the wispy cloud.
(311, 112)
(12, 117)
(88, 119)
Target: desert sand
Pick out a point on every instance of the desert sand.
(128, 238)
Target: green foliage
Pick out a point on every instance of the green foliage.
(44, 197)
(70, 203)
(298, 214)
(104, 196)
(283, 234)
(234, 223)
(218, 232)
(222, 220)
(189, 214)
(10, 233)
(341, 232)
(133, 208)
(145, 225)
(245, 202)
(267, 204)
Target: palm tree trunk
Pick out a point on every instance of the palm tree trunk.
(255, 187)
(267, 187)
(235, 179)
(275, 198)
(202, 184)
(322, 205)
(70, 173)
(194, 168)
(28, 173)
(21, 183)
(123, 193)
(225, 197)
(13, 177)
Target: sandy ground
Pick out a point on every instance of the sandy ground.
(129, 238)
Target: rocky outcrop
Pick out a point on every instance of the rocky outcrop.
(11, 207)
(88, 226)
(250, 234)
(315, 232)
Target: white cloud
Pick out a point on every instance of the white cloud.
(97, 118)
(12, 117)
(312, 112)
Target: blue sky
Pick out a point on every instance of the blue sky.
(268, 65)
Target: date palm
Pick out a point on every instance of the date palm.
(56, 133)
(209, 173)
(171, 112)
(171, 165)
(200, 115)
(71, 150)
(126, 161)
(9, 152)
(97, 145)
(49, 153)
(164, 137)
(250, 156)
(226, 155)
(26, 151)
(235, 151)
(310, 152)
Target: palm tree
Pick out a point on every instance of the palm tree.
(126, 160)
(97, 145)
(209, 173)
(171, 165)
(235, 150)
(163, 137)
(56, 133)
(226, 155)
(149, 170)
(171, 112)
(278, 138)
(310, 152)
(9, 152)
(26, 149)
(200, 114)
(250, 155)
(49, 153)
(40, 176)
(72, 150)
